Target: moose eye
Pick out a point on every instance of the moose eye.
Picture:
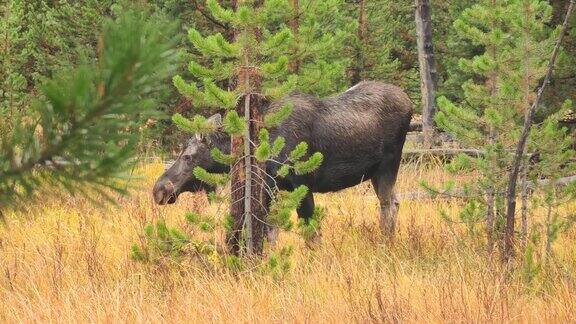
(187, 158)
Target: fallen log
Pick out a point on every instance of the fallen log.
(562, 182)
(416, 136)
(459, 193)
(443, 152)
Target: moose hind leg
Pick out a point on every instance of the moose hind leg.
(389, 204)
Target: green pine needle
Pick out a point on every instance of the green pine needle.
(234, 124)
(284, 171)
(198, 125)
(220, 157)
(299, 151)
(188, 90)
(277, 146)
(223, 15)
(275, 118)
(310, 165)
(218, 97)
(263, 152)
(277, 41)
(276, 69)
(215, 179)
(283, 89)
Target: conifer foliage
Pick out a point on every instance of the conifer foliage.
(40, 38)
(255, 63)
(517, 45)
(81, 133)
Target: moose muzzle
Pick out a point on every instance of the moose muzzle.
(164, 192)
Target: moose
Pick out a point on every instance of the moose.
(360, 133)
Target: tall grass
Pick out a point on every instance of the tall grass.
(68, 260)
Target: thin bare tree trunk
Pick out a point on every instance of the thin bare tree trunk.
(524, 208)
(237, 189)
(521, 147)
(428, 73)
(490, 220)
(548, 250)
(237, 172)
(359, 64)
(248, 179)
(260, 197)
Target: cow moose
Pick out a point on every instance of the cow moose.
(361, 134)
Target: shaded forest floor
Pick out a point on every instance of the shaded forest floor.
(69, 260)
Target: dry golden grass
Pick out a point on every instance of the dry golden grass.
(69, 261)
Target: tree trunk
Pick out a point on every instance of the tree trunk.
(237, 189)
(548, 250)
(231, 33)
(527, 94)
(294, 65)
(490, 220)
(520, 148)
(524, 208)
(359, 62)
(249, 207)
(428, 73)
(249, 196)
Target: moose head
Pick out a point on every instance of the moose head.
(179, 177)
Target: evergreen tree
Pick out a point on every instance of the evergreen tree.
(517, 45)
(80, 134)
(320, 45)
(257, 63)
(563, 83)
(556, 159)
(388, 46)
(452, 46)
(40, 38)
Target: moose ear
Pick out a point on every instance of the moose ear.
(216, 119)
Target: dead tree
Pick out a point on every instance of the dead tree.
(521, 146)
(428, 73)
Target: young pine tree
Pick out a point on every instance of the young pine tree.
(556, 160)
(516, 43)
(254, 67)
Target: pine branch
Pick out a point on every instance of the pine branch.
(81, 107)
(202, 10)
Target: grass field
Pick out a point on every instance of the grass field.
(69, 260)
